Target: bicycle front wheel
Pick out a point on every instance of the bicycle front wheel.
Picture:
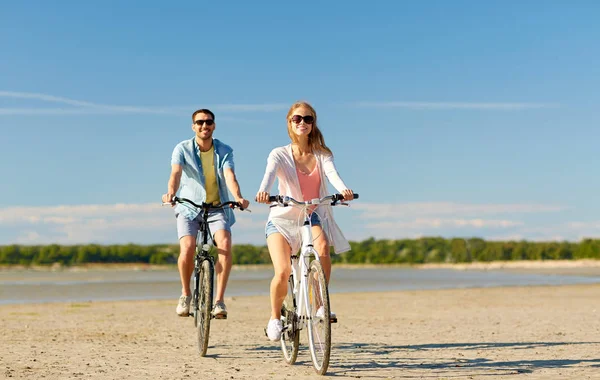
(204, 305)
(290, 337)
(319, 324)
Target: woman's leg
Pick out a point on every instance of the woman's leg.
(322, 246)
(280, 252)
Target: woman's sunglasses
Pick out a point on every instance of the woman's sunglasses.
(307, 119)
(200, 122)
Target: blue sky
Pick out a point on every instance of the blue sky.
(463, 118)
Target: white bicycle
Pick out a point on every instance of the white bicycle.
(307, 300)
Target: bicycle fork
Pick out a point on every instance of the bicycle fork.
(199, 258)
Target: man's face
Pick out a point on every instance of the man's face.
(201, 126)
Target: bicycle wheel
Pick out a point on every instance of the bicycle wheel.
(319, 324)
(290, 337)
(204, 305)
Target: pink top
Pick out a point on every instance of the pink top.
(281, 165)
(310, 184)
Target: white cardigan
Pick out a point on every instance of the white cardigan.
(281, 164)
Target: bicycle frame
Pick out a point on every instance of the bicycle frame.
(202, 246)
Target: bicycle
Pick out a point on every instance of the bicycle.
(204, 269)
(307, 301)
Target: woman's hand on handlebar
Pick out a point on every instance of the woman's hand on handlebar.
(348, 194)
(262, 197)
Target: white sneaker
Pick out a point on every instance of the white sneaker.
(183, 307)
(321, 311)
(219, 310)
(274, 329)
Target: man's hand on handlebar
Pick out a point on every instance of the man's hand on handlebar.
(243, 202)
(168, 198)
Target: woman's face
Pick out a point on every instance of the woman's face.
(302, 121)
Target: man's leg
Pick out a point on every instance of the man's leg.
(185, 262)
(187, 231)
(224, 262)
(221, 231)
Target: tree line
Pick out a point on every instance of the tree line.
(370, 251)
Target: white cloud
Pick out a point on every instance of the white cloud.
(79, 107)
(64, 214)
(585, 230)
(395, 210)
(432, 223)
(112, 223)
(146, 223)
(518, 237)
(595, 225)
(455, 105)
(28, 237)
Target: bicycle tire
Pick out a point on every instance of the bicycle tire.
(204, 305)
(290, 337)
(194, 304)
(319, 328)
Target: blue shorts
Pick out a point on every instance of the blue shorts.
(271, 229)
(216, 221)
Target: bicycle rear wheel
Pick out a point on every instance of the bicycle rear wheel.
(290, 337)
(319, 324)
(204, 305)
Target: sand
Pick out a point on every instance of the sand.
(492, 333)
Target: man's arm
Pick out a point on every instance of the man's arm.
(174, 181)
(234, 186)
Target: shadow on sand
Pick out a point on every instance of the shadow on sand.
(358, 360)
(349, 359)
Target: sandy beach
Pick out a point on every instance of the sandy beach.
(494, 333)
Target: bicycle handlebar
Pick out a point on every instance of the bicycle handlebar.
(208, 206)
(284, 200)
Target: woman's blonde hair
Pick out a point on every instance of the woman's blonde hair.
(316, 141)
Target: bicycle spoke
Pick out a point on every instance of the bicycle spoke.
(290, 338)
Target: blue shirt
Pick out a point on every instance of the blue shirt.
(192, 185)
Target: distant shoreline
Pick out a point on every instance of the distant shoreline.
(493, 265)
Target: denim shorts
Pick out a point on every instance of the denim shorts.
(216, 221)
(271, 229)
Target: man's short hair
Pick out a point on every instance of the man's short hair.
(203, 110)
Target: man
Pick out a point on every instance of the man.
(204, 168)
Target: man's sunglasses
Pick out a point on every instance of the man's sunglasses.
(307, 119)
(200, 122)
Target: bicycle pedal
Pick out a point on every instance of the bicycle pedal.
(219, 316)
(332, 320)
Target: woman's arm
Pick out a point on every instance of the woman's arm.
(268, 179)
(332, 174)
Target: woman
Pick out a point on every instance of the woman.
(302, 168)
